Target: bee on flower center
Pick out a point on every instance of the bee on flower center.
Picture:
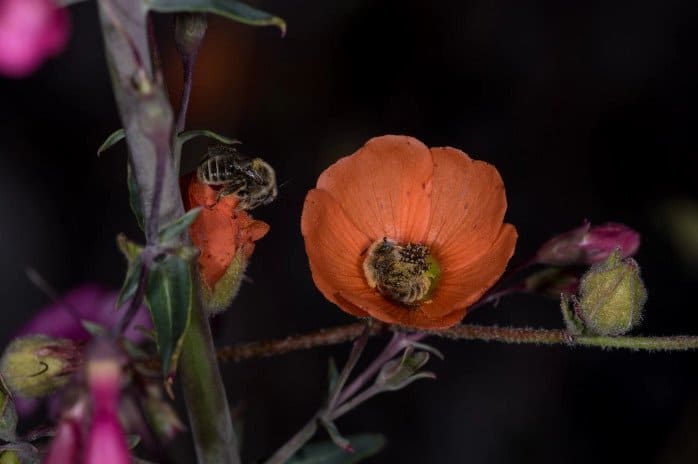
(402, 273)
(252, 180)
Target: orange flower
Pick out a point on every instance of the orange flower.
(220, 232)
(407, 234)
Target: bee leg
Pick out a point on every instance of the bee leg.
(234, 187)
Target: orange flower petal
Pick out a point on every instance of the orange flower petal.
(220, 231)
(378, 307)
(467, 205)
(384, 187)
(334, 246)
(461, 286)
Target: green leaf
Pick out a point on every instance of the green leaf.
(175, 229)
(132, 441)
(132, 252)
(169, 298)
(8, 417)
(399, 373)
(134, 196)
(114, 138)
(94, 329)
(186, 136)
(326, 452)
(231, 9)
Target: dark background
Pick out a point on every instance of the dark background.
(585, 108)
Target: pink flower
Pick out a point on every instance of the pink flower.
(89, 302)
(65, 445)
(63, 319)
(30, 32)
(106, 440)
(589, 245)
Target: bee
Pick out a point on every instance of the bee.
(398, 272)
(252, 180)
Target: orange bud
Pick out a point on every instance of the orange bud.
(224, 234)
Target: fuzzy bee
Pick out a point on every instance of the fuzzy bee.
(252, 180)
(398, 272)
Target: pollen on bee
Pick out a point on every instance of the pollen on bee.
(400, 273)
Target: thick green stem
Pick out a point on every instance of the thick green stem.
(204, 395)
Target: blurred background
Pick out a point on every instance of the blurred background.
(585, 109)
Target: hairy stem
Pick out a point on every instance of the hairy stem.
(515, 335)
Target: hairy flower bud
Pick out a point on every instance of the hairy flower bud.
(35, 366)
(190, 29)
(612, 296)
(9, 457)
(106, 440)
(589, 245)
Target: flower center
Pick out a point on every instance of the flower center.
(406, 274)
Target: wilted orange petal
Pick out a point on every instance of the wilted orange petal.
(467, 205)
(461, 286)
(384, 187)
(383, 310)
(334, 246)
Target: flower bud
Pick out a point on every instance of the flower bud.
(10, 457)
(612, 296)
(190, 29)
(226, 237)
(106, 440)
(589, 245)
(36, 365)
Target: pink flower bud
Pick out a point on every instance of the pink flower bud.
(589, 245)
(30, 32)
(106, 441)
(601, 241)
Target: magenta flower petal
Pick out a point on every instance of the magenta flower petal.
(30, 32)
(90, 302)
(589, 244)
(106, 441)
(65, 444)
